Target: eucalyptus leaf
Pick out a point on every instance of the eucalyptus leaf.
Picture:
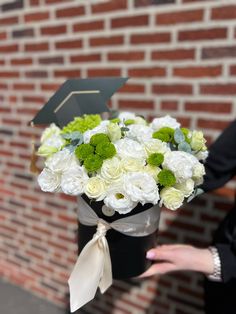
(179, 136)
(66, 136)
(124, 129)
(114, 114)
(185, 147)
(197, 191)
(71, 148)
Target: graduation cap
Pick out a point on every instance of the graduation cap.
(77, 97)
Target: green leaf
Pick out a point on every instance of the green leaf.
(179, 136)
(124, 129)
(185, 147)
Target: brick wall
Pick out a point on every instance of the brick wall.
(180, 55)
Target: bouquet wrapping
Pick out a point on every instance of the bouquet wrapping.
(122, 170)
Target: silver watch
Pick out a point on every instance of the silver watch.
(216, 276)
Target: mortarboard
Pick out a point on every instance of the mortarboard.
(77, 97)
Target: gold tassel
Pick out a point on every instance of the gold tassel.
(33, 159)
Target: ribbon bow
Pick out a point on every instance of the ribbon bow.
(93, 267)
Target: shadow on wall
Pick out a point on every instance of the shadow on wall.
(177, 293)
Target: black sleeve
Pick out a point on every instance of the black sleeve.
(221, 163)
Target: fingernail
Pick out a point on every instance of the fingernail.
(150, 254)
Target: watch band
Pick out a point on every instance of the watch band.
(216, 276)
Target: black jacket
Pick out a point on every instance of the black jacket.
(220, 168)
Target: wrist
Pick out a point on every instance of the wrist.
(204, 262)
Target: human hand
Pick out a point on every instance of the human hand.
(179, 257)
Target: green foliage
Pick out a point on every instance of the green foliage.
(82, 124)
(165, 134)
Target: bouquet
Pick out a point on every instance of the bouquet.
(123, 170)
(123, 161)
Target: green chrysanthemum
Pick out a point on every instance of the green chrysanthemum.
(165, 134)
(155, 159)
(99, 138)
(83, 151)
(105, 150)
(82, 124)
(129, 121)
(93, 163)
(166, 177)
(186, 132)
(115, 120)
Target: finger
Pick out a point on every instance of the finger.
(159, 253)
(158, 269)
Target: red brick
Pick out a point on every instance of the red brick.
(49, 86)
(70, 12)
(172, 55)
(130, 21)
(9, 20)
(34, 2)
(219, 52)
(56, 1)
(203, 34)
(9, 48)
(169, 105)
(106, 41)
(33, 99)
(216, 107)
(9, 74)
(70, 44)
(136, 104)
(147, 72)
(67, 73)
(86, 58)
(212, 124)
(198, 71)
(89, 26)
(27, 111)
(21, 61)
(103, 72)
(224, 12)
(36, 74)
(36, 17)
(178, 89)
(3, 35)
(179, 17)
(233, 70)
(108, 6)
(23, 86)
(51, 60)
(132, 88)
(126, 56)
(218, 89)
(150, 38)
(31, 47)
(53, 30)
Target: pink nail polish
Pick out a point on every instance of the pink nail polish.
(150, 255)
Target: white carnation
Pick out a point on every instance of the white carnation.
(198, 173)
(129, 148)
(74, 180)
(60, 161)
(49, 132)
(119, 200)
(181, 164)
(202, 155)
(140, 133)
(141, 187)
(166, 121)
(130, 164)
(49, 181)
(126, 115)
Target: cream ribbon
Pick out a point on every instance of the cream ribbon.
(93, 267)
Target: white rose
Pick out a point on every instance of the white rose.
(181, 164)
(171, 198)
(129, 148)
(49, 132)
(140, 133)
(166, 121)
(156, 146)
(186, 187)
(60, 161)
(198, 173)
(101, 128)
(95, 188)
(141, 187)
(74, 180)
(119, 200)
(111, 169)
(198, 141)
(49, 181)
(130, 164)
(152, 171)
(140, 120)
(202, 155)
(113, 131)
